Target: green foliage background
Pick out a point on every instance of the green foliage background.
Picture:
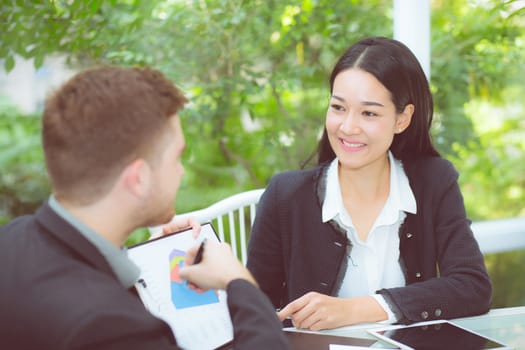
(257, 76)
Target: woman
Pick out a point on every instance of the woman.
(378, 230)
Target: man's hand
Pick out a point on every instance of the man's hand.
(217, 268)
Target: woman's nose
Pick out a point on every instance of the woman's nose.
(350, 124)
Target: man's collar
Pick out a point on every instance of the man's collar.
(125, 270)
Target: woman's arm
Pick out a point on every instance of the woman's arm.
(265, 249)
(447, 276)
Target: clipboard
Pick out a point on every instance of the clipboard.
(197, 320)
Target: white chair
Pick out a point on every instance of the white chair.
(503, 235)
(232, 217)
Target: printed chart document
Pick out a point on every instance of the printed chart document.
(198, 320)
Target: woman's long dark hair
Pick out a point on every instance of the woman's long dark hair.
(396, 67)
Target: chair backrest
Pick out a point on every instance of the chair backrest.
(232, 217)
(498, 236)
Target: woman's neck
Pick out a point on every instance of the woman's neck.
(366, 184)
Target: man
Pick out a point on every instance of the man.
(112, 142)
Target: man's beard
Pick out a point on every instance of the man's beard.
(158, 216)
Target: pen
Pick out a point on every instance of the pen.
(198, 257)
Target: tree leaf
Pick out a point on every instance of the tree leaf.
(39, 60)
(9, 63)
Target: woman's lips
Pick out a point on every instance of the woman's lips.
(352, 146)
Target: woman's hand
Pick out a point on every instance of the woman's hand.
(315, 311)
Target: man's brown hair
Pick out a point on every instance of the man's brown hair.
(101, 120)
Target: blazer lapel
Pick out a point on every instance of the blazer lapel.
(69, 236)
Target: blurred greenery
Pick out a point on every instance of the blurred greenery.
(257, 75)
(23, 179)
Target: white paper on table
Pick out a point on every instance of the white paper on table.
(198, 320)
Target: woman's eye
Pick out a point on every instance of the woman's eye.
(369, 114)
(337, 107)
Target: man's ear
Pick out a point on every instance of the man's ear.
(404, 118)
(136, 178)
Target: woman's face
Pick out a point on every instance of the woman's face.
(361, 120)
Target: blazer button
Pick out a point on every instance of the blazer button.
(409, 235)
(418, 274)
(437, 312)
(424, 315)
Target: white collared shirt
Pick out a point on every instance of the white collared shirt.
(373, 264)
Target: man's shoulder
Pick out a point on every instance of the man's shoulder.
(16, 224)
(37, 261)
(25, 227)
(71, 315)
(15, 233)
(65, 294)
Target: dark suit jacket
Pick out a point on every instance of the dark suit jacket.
(292, 252)
(58, 292)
